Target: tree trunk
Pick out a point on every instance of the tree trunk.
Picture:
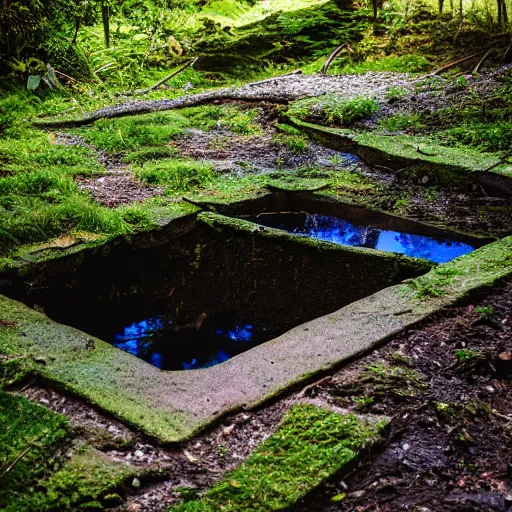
(375, 7)
(441, 3)
(105, 14)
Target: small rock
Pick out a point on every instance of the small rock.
(139, 453)
(227, 431)
(136, 483)
(405, 447)
(357, 494)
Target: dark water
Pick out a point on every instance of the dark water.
(342, 232)
(158, 341)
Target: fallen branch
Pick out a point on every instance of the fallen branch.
(482, 60)
(160, 82)
(14, 462)
(132, 108)
(455, 63)
(333, 55)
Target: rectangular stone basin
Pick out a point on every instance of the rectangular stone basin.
(206, 293)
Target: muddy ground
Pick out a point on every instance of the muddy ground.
(449, 448)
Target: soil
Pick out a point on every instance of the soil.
(117, 186)
(253, 154)
(449, 447)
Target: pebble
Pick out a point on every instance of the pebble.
(405, 447)
(139, 453)
(136, 483)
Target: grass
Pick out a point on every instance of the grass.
(310, 445)
(177, 176)
(146, 133)
(134, 133)
(395, 63)
(39, 198)
(29, 434)
(333, 109)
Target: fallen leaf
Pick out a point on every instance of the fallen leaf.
(190, 457)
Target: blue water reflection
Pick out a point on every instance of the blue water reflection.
(161, 343)
(339, 231)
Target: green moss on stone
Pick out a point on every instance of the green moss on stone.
(29, 434)
(86, 482)
(310, 445)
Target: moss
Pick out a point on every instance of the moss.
(420, 156)
(86, 482)
(485, 265)
(309, 446)
(29, 434)
(95, 374)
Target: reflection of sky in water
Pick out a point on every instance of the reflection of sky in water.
(156, 341)
(343, 232)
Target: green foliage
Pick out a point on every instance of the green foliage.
(402, 122)
(296, 143)
(133, 133)
(309, 445)
(394, 63)
(177, 176)
(486, 312)
(33, 32)
(29, 433)
(496, 136)
(334, 109)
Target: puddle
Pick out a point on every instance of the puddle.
(167, 345)
(343, 232)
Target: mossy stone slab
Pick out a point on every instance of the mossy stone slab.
(448, 166)
(173, 406)
(310, 445)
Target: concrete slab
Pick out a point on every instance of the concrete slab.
(173, 406)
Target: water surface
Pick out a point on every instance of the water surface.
(343, 232)
(160, 342)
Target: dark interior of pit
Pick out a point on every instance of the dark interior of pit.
(193, 295)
